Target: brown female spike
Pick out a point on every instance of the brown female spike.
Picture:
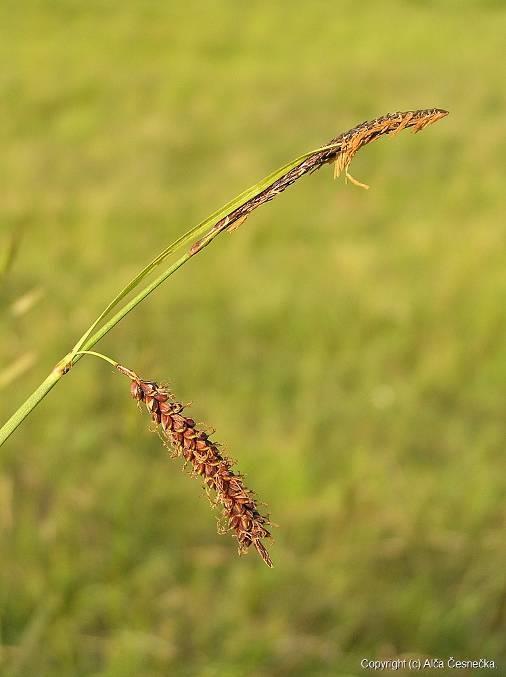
(181, 433)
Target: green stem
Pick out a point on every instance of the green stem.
(29, 405)
(194, 233)
(95, 354)
(106, 328)
(69, 360)
(39, 394)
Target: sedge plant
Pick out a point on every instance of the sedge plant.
(226, 488)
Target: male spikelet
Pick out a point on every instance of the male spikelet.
(240, 510)
(338, 151)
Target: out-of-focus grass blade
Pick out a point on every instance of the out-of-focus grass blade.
(8, 255)
(15, 370)
(26, 302)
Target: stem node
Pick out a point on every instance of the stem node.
(65, 365)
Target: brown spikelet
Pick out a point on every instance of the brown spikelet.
(352, 141)
(240, 510)
(338, 151)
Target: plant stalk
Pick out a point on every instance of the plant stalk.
(339, 150)
(69, 360)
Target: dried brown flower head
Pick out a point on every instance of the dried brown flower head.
(338, 151)
(240, 510)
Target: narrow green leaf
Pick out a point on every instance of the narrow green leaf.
(196, 232)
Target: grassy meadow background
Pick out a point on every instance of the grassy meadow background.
(348, 346)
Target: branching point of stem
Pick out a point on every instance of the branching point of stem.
(64, 365)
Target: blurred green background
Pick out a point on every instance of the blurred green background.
(348, 346)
